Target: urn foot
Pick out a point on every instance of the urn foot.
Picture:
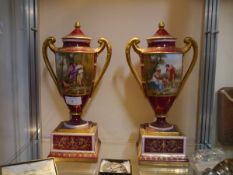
(76, 123)
(161, 124)
(72, 125)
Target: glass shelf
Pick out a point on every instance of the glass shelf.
(115, 150)
(120, 149)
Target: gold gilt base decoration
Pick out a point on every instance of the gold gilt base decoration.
(75, 144)
(161, 148)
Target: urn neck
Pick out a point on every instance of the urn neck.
(75, 44)
(160, 43)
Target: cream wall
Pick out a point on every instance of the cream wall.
(118, 105)
(224, 62)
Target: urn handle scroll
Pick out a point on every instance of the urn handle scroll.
(49, 43)
(190, 43)
(103, 43)
(134, 44)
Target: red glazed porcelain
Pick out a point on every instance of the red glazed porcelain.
(161, 71)
(75, 75)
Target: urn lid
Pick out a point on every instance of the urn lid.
(76, 37)
(161, 37)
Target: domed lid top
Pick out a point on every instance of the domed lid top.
(161, 34)
(77, 36)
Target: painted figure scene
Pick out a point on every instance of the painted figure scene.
(163, 73)
(75, 72)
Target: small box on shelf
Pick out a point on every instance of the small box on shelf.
(42, 166)
(115, 167)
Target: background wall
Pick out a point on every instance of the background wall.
(118, 105)
(224, 62)
(224, 53)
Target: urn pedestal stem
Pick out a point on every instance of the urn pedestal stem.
(160, 124)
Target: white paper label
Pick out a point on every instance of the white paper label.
(73, 100)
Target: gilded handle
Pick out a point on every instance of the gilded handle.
(134, 44)
(49, 43)
(103, 43)
(190, 43)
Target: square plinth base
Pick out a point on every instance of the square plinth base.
(75, 144)
(162, 148)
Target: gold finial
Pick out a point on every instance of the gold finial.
(77, 24)
(161, 24)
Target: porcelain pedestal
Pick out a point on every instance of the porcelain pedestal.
(162, 148)
(75, 144)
